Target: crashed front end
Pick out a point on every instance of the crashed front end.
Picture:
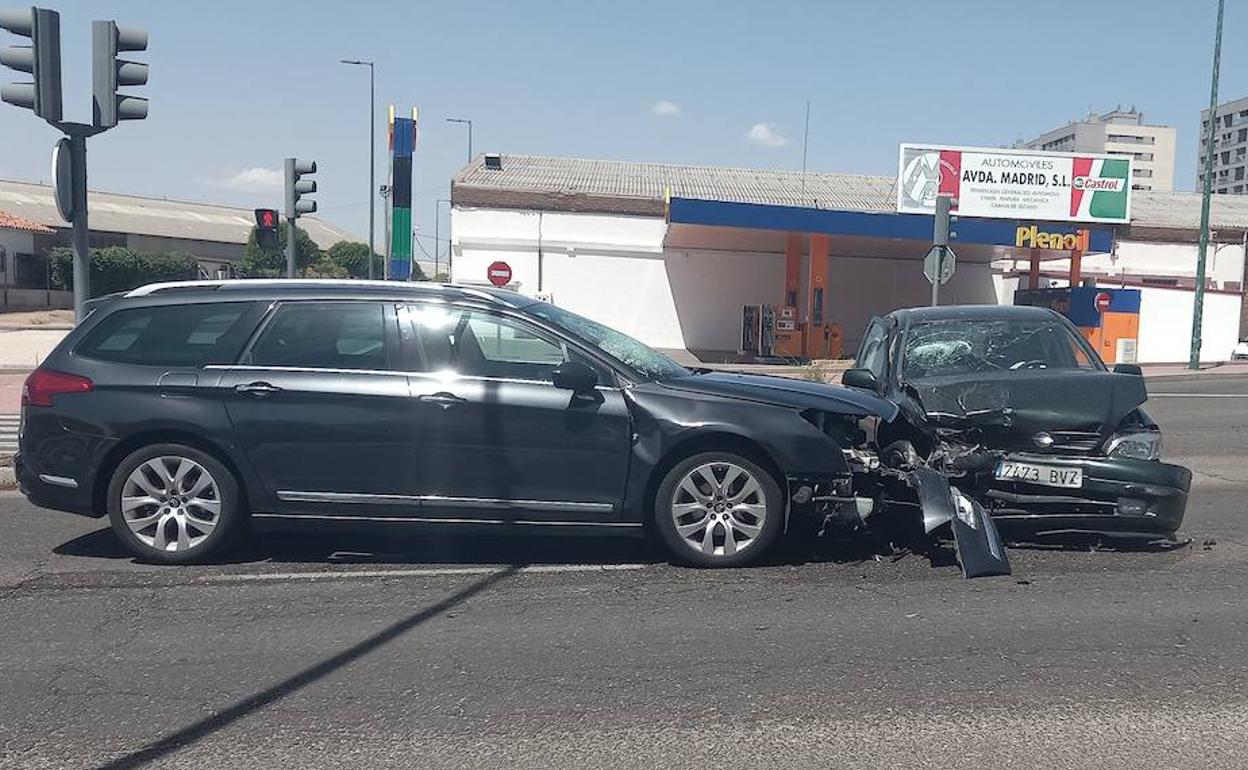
(1051, 453)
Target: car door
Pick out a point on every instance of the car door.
(321, 408)
(496, 439)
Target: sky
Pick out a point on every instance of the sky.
(237, 86)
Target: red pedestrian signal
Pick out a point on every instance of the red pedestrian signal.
(266, 219)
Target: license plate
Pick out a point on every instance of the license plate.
(1046, 475)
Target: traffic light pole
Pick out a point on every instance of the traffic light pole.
(81, 244)
(940, 239)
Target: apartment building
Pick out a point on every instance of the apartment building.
(1230, 149)
(1120, 132)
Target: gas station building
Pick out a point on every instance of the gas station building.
(712, 262)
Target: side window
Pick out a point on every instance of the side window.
(873, 353)
(172, 335)
(320, 335)
(475, 343)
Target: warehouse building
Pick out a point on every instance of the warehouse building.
(674, 255)
(214, 235)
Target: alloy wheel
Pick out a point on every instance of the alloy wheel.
(719, 509)
(171, 503)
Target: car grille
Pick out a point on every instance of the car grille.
(1075, 441)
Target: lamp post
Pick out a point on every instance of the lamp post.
(372, 143)
(437, 243)
(469, 123)
(1198, 296)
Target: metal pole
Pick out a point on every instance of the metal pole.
(290, 218)
(470, 141)
(436, 206)
(82, 253)
(1193, 361)
(940, 239)
(372, 168)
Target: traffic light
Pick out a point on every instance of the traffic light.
(267, 228)
(297, 187)
(41, 59)
(110, 73)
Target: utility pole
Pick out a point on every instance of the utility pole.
(372, 158)
(1198, 304)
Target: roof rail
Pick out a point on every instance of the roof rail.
(297, 283)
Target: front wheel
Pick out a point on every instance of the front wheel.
(174, 504)
(718, 509)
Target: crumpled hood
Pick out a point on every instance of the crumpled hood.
(784, 391)
(1077, 400)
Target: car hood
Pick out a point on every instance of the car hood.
(784, 391)
(1033, 400)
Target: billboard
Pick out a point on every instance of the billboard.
(1015, 184)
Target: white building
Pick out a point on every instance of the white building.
(1120, 132)
(670, 254)
(1230, 149)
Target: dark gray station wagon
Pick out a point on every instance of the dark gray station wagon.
(186, 412)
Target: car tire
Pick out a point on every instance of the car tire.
(174, 504)
(718, 509)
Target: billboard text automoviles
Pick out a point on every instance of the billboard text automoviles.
(1015, 184)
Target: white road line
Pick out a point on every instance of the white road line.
(422, 572)
(1198, 395)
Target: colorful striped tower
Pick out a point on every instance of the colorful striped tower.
(402, 147)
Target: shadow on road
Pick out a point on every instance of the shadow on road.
(209, 725)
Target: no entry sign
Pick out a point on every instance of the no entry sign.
(1102, 301)
(499, 273)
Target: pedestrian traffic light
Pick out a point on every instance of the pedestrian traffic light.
(297, 187)
(41, 59)
(267, 228)
(110, 73)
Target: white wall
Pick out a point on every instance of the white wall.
(1166, 325)
(615, 270)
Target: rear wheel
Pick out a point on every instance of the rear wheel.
(173, 504)
(718, 509)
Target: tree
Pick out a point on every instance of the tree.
(117, 268)
(259, 262)
(353, 257)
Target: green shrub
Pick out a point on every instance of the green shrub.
(117, 268)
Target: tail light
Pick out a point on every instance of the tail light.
(43, 384)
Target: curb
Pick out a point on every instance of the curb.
(8, 479)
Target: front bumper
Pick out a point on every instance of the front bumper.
(1118, 496)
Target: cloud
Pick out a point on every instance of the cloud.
(764, 135)
(665, 109)
(247, 179)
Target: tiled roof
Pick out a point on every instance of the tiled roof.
(11, 222)
(159, 217)
(530, 181)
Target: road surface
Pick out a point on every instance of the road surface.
(385, 651)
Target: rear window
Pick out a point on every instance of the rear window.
(172, 335)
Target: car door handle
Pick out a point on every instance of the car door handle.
(257, 389)
(444, 400)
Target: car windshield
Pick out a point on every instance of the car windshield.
(646, 361)
(971, 346)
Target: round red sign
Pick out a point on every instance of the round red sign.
(499, 273)
(1102, 301)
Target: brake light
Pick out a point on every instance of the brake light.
(43, 384)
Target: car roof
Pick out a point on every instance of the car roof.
(301, 288)
(973, 313)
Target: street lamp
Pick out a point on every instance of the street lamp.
(372, 171)
(437, 244)
(469, 122)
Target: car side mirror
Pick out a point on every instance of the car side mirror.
(1128, 369)
(860, 378)
(574, 376)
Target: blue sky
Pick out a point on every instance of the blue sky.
(236, 86)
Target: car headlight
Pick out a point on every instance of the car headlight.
(1135, 445)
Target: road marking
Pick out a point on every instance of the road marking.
(1198, 395)
(422, 572)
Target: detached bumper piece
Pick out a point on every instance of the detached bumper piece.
(981, 553)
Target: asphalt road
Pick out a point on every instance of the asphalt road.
(356, 652)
